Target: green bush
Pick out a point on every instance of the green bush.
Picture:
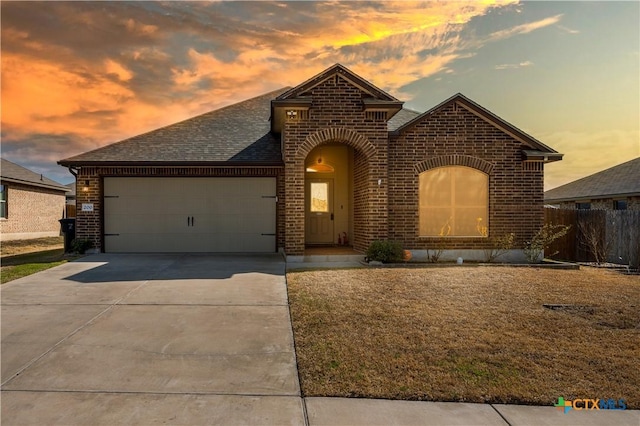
(385, 251)
(80, 246)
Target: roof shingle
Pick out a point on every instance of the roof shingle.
(12, 172)
(238, 133)
(623, 179)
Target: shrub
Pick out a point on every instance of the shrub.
(499, 246)
(80, 246)
(385, 251)
(542, 239)
(434, 253)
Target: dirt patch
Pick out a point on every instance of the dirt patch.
(476, 334)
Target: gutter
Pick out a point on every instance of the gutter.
(227, 164)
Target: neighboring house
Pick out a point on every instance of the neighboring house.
(330, 160)
(30, 204)
(616, 188)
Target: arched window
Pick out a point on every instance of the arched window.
(454, 202)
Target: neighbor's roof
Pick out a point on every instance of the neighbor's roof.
(12, 172)
(239, 134)
(620, 180)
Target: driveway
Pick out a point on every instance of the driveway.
(139, 339)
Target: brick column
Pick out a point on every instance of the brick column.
(88, 223)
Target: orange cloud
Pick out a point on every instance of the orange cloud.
(143, 74)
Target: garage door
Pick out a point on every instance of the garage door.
(234, 215)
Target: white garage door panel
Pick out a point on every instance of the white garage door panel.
(151, 214)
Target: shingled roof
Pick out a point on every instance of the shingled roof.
(238, 134)
(620, 180)
(12, 172)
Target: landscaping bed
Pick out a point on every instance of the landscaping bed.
(476, 334)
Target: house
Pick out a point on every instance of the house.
(332, 160)
(30, 204)
(616, 188)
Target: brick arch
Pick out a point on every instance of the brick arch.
(454, 160)
(338, 134)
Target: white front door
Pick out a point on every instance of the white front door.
(319, 211)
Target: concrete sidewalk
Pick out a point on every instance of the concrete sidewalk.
(352, 411)
(187, 339)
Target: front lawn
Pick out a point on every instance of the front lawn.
(477, 334)
(21, 265)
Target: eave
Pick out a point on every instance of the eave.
(545, 157)
(195, 164)
(592, 197)
(36, 184)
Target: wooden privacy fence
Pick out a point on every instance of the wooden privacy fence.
(617, 230)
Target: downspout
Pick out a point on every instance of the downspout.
(73, 172)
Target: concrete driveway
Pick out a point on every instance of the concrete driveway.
(140, 339)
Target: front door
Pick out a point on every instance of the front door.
(319, 211)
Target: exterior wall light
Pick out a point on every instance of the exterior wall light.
(320, 167)
(85, 188)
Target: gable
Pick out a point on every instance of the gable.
(335, 71)
(298, 101)
(537, 150)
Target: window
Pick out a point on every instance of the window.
(454, 202)
(619, 204)
(583, 206)
(319, 197)
(3, 201)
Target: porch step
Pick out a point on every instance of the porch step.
(320, 258)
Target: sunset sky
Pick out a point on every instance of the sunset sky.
(79, 75)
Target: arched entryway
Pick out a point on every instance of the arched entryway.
(350, 197)
(329, 195)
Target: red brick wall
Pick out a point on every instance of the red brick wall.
(337, 115)
(32, 212)
(455, 136)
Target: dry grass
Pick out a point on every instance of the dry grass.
(477, 334)
(11, 248)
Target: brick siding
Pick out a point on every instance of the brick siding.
(454, 135)
(337, 115)
(32, 212)
(633, 203)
